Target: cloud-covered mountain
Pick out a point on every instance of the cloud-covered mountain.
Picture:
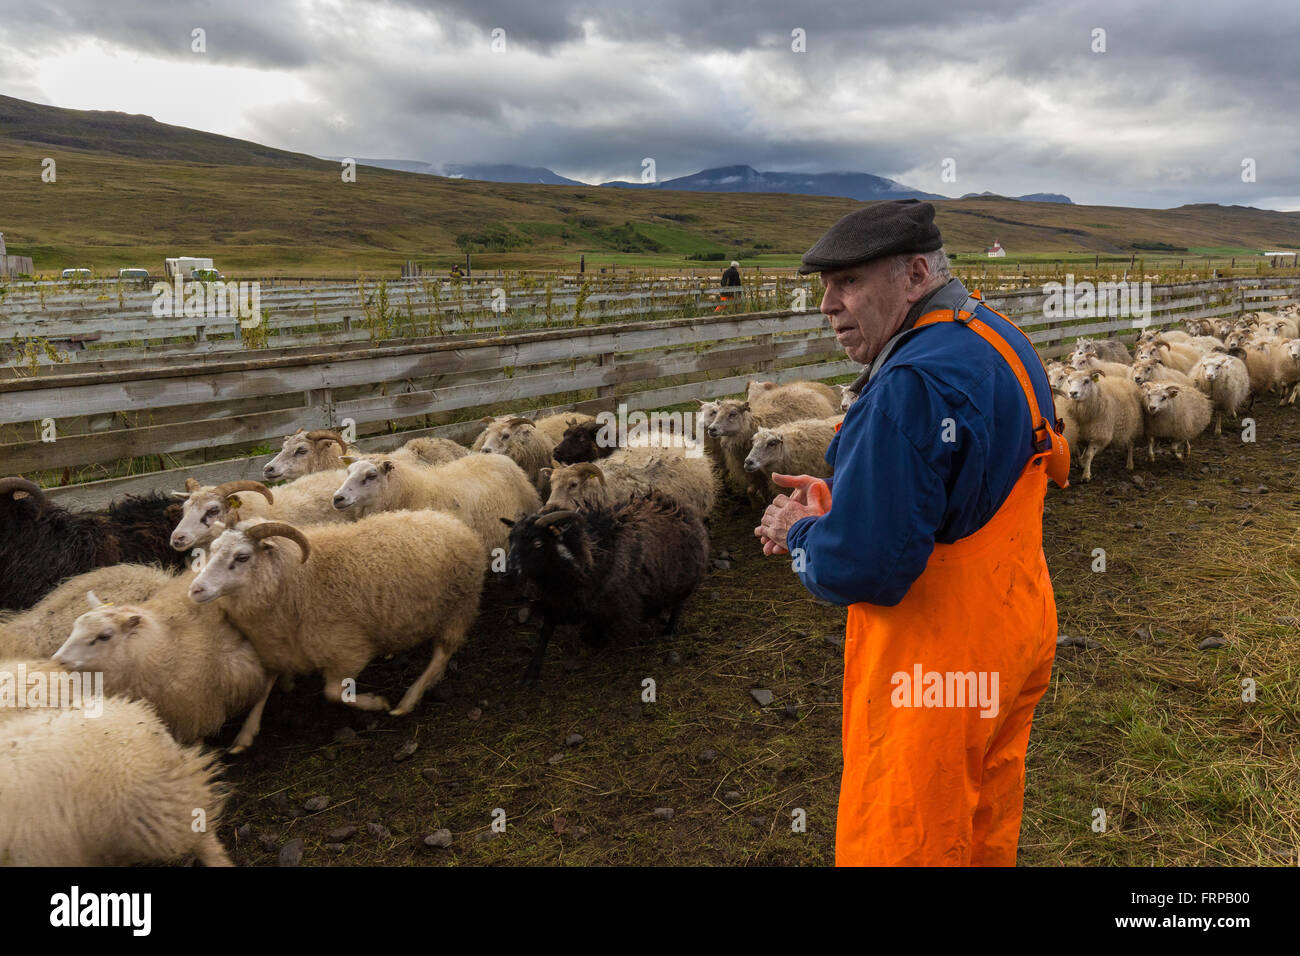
(747, 179)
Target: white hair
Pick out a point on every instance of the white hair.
(937, 260)
(735, 263)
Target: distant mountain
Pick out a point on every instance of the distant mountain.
(506, 173)
(1028, 197)
(747, 179)
(135, 135)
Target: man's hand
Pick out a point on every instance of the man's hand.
(785, 510)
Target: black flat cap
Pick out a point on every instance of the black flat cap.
(880, 229)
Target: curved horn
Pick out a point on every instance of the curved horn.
(588, 470)
(9, 485)
(520, 421)
(279, 529)
(191, 485)
(230, 487)
(324, 434)
(551, 517)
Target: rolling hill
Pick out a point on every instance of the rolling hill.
(131, 191)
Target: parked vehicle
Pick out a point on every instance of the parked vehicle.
(75, 274)
(133, 273)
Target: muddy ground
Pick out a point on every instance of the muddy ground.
(1142, 721)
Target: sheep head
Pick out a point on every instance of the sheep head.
(102, 633)
(765, 451)
(502, 435)
(731, 419)
(204, 506)
(577, 486)
(366, 484)
(1158, 396)
(581, 442)
(235, 557)
(305, 452)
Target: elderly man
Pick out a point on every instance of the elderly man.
(931, 532)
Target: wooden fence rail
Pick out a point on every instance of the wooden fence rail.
(228, 403)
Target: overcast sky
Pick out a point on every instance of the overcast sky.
(1011, 91)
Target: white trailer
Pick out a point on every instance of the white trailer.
(184, 266)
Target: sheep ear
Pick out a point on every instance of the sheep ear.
(745, 407)
(1095, 376)
(507, 522)
(93, 599)
(180, 494)
(133, 622)
(233, 501)
(386, 466)
(348, 459)
(545, 473)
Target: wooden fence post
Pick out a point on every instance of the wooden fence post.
(607, 360)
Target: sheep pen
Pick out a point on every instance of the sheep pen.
(1194, 587)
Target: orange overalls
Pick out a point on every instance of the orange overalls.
(943, 785)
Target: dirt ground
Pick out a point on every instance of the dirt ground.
(1141, 721)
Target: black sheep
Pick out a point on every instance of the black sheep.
(579, 444)
(608, 570)
(41, 544)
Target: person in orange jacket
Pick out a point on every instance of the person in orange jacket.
(930, 531)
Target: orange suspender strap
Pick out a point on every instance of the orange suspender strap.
(1046, 437)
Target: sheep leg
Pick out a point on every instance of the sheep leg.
(334, 692)
(253, 722)
(1087, 461)
(534, 669)
(1188, 443)
(1151, 449)
(1128, 462)
(432, 674)
(212, 853)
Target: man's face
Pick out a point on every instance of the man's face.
(866, 304)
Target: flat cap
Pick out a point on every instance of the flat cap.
(880, 229)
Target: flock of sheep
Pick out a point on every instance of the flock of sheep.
(191, 608)
(194, 606)
(1174, 383)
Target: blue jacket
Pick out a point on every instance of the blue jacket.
(929, 452)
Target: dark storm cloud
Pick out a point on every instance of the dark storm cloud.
(1012, 91)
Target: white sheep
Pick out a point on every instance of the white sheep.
(1106, 350)
(847, 397)
(1107, 411)
(735, 422)
(1286, 369)
(186, 659)
(634, 471)
(519, 440)
(795, 448)
(1145, 370)
(1176, 412)
(1261, 364)
(303, 501)
(478, 489)
(108, 790)
(332, 598)
(1225, 379)
(1178, 356)
(38, 631)
(304, 452)
(1088, 362)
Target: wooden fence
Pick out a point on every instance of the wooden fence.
(224, 406)
(107, 323)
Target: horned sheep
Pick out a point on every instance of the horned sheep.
(326, 450)
(478, 489)
(522, 442)
(109, 789)
(609, 570)
(304, 501)
(331, 598)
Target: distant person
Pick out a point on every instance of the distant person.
(730, 280)
(457, 272)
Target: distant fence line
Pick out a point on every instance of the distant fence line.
(233, 402)
(102, 328)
